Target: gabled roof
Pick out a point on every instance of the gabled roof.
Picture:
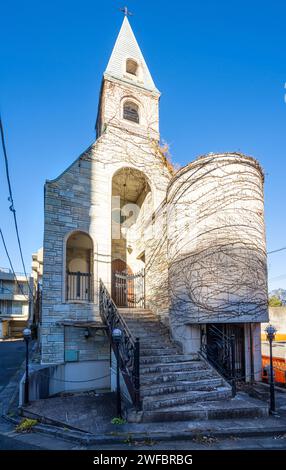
(126, 47)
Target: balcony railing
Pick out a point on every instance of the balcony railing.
(79, 286)
(9, 271)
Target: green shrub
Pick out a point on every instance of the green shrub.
(26, 425)
(118, 421)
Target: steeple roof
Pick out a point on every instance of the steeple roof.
(126, 47)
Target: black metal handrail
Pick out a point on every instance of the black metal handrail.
(129, 347)
(220, 353)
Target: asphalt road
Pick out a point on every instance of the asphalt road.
(12, 354)
(247, 443)
(10, 443)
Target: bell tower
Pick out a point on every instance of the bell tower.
(129, 99)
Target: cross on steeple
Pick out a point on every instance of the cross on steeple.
(126, 11)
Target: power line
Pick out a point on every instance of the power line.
(275, 251)
(11, 265)
(10, 199)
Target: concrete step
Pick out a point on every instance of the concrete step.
(152, 337)
(170, 367)
(162, 351)
(149, 332)
(239, 407)
(176, 376)
(144, 324)
(144, 335)
(140, 317)
(159, 341)
(177, 399)
(155, 336)
(169, 358)
(153, 343)
(207, 384)
(141, 321)
(137, 309)
(137, 315)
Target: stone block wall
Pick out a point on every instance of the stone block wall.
(80, 200)
(95, 347)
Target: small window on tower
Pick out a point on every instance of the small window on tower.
(131, 111)
(131, 67)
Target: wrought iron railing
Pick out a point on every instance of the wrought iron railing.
(79, 286)
(129, 348)
(219, 350)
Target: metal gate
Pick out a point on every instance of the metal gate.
(129, 289)
(218, 348)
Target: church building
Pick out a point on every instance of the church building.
(164, 270)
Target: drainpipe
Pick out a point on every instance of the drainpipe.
(251, 354)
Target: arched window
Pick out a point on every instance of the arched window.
(131, 111)
(79, 267)
(131, 67)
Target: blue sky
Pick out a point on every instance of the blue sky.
(220, 66)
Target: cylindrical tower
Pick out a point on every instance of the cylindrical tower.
(216, 242)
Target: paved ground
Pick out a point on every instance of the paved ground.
(87, 411)
(12, 354)
(10, 440)
(9, 443)
(93, 412)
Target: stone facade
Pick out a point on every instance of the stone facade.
(80, 199)
(198, 234)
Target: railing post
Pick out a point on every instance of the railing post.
(144, 288)
(137, 373)
(67, 285)
(78, 284)
(233, 372)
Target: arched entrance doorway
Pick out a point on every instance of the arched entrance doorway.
(131, 207)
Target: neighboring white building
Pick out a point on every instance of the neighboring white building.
(37, 267)
(198, 234)
(14, 303)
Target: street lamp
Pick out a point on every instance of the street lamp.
(270, 331)
(117, 336)
(27, 337)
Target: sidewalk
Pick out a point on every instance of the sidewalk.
(175, 431)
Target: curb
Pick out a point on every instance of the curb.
(131, 436)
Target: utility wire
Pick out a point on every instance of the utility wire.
(11, 265)
(275, 251)
(10, 199)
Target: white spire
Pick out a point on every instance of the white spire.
(126, 47)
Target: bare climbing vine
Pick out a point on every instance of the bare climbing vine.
(217, 267)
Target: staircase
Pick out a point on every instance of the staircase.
(174, 386)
